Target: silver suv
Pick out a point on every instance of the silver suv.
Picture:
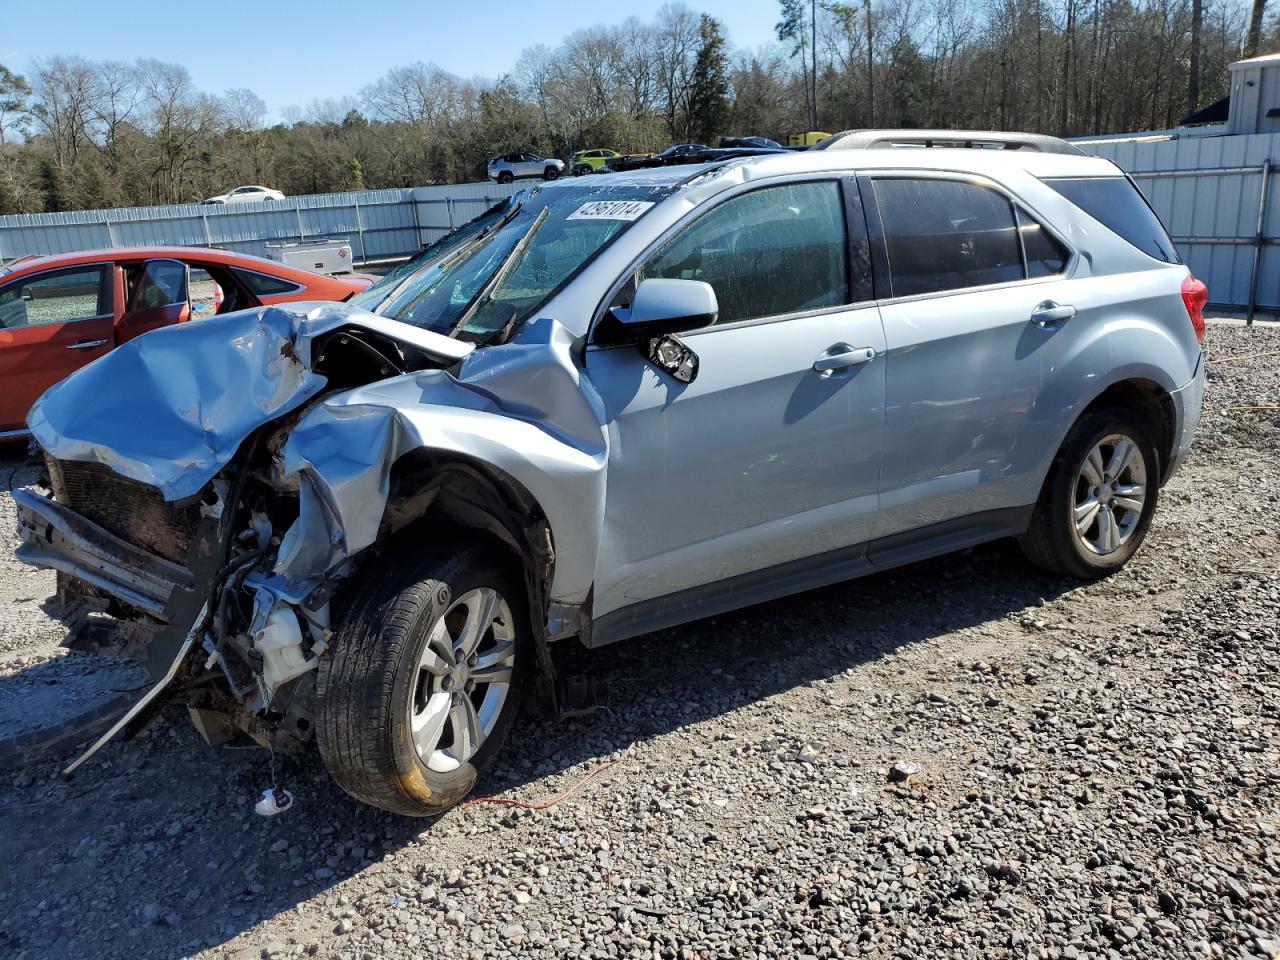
(509, 166)
(608, 406)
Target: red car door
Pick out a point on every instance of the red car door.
(51, 324)
(158, 296)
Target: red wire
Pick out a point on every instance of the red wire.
(574, 788)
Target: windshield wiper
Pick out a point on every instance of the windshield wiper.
(509, 261)
(449, 257)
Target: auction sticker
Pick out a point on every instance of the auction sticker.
(610, 210)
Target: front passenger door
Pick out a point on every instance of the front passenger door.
(772, 454)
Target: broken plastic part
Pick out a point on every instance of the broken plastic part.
(280, 643)
(274, 800)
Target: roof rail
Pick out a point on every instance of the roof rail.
(978, 139)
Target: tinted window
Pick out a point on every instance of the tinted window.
(769, 252)
(158, 283)
(1117, 204)
(75, 294)
(946, 235)
(262, 285)
(1046, 256)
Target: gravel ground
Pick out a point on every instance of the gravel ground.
(960, 758)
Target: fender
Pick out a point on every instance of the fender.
(520, 408)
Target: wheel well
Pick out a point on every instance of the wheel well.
(1153, 403)
(450, 498)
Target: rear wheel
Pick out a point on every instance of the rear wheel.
(1097, 503)
(422, 688)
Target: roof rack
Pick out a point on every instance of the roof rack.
(975, 139)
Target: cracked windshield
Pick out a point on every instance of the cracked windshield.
(488, 276)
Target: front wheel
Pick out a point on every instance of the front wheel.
(551, 173)
(505, 176)
(1097, 502)
(424, 681)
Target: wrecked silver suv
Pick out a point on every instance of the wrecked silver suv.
(608, 406)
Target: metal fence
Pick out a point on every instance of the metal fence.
(381, 224)
(1215, 194)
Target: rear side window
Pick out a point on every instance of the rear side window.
(947, 235)
(1117, 204)
(1046, 256)
(262, 285)
(770, 252)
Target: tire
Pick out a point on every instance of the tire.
(375, 679)
(1097, 547)
(551, 173)
(581, 170)
(505, 176)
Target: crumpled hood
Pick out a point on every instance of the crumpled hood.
(171, 408)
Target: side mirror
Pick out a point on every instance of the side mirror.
(660, 307)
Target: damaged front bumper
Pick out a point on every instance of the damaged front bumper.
(58, 538)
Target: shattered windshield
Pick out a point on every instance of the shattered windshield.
(491, 274)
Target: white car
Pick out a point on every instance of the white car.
(247, 195)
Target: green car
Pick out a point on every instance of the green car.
(588, 161)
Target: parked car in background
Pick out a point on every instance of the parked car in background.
(512, 166)
(613, 405)
(589, 161)
(806, 139)
(58, 313)
(246, 195)
(763, 142)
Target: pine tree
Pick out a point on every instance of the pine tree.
(709, 88)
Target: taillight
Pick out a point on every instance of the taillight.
(1194, 295)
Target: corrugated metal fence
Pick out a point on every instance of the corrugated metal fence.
(381, 224)
(1217, 197)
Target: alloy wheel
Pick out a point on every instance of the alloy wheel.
(1110, 493)
(462, 679)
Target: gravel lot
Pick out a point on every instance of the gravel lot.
(1093, 771)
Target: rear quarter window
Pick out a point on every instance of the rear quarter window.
(1117, 204)
(262, 285)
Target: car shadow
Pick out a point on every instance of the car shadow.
(161, 829)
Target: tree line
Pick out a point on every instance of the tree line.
(78, 133)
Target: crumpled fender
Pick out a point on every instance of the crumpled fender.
(170, 409)
(520, 407)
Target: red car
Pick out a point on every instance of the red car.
(59, 312)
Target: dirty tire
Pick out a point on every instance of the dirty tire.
(1051, 541)
(365, 686)
(505, 176)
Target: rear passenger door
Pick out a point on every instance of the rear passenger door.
(968, 271)
(772, 454)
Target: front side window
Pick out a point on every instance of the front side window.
(770, 252)
(57, 297)
(946, 235)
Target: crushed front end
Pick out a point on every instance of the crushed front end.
(166, 507)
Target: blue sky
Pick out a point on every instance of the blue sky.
(291, 52)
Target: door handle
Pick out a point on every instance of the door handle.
(1049, 312)
(86, 344)
(841, 355)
